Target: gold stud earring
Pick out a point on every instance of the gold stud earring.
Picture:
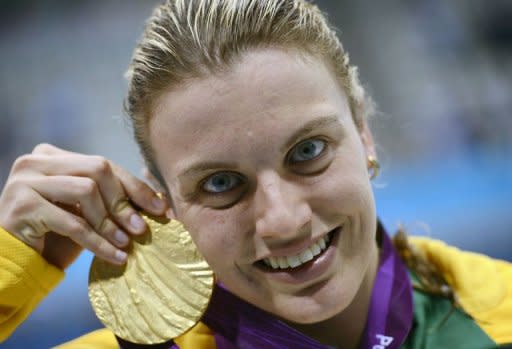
(373, 167)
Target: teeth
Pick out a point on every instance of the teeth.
(273, 263)
(283, 263)
(315, 249)
(298, 259)
(293, 261)
(306, 256)
(322, 244)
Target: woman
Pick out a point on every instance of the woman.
(254, 124)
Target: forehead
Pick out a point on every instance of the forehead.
(261, 98)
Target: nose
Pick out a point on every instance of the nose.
(282, 211)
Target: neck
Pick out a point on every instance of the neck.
(345, 329)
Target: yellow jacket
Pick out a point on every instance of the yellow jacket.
(483, 286)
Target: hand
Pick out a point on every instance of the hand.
(59, 202)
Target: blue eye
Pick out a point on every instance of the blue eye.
(307, 150)
(221, 182)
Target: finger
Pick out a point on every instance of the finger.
(100, 170)
(49, 149)
(153, 181)
(77, 229)
(70, 190)
(138, 191)
(141, 193)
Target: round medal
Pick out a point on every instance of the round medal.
(160, 293)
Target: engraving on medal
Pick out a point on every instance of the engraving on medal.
(160, 293)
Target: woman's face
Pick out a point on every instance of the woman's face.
(268, 172)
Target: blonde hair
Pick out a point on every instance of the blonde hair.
(187, 39)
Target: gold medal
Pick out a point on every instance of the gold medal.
(160, 293)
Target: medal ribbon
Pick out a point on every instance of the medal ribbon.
(240, 325)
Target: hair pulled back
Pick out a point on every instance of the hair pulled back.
(190, 39)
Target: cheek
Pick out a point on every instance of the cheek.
(214, 234)
(345, 185)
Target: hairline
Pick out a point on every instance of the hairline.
(304, 53)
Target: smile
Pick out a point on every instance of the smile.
(303, 257)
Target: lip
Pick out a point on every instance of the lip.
(309, 271)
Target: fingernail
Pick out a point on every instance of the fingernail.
(121, 237)
(137, 223)
(158, 203)
(121, 256)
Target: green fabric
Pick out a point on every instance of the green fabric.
(433, 329)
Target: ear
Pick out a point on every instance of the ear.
(367, 139)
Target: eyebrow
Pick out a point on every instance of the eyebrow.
(205, 166)
(309, 127)
(306, 129)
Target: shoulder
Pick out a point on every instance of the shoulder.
(482, 284)
(100, 339)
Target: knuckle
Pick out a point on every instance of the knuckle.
(23, 162)
(88, 187)
(20, 208)
(101, 165)
(120, 204)
(21, 202)
(77, 228)
(104, 247)
(103, 225)
(43, 148)
(17, 185)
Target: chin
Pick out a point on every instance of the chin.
(326, 303)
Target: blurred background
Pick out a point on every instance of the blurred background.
(440, 72)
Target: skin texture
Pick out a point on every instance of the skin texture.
(59, 202)
(243, 122)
